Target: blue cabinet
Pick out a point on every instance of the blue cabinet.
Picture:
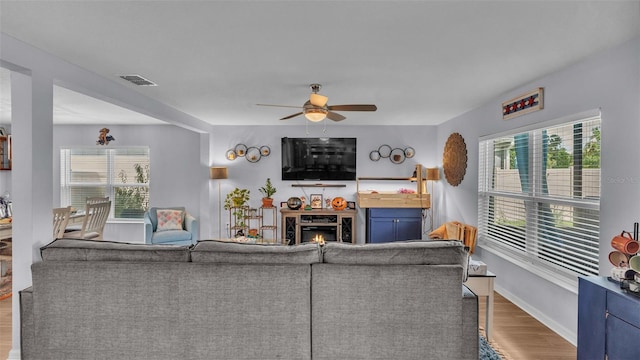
(393, 224)
(608, 321)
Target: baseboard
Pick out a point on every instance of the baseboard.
(567, 334)
(14, 355)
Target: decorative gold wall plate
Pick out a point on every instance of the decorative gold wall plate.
(454, 159)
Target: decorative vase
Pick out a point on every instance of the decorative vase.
(294, 203)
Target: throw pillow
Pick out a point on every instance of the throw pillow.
(169, 220)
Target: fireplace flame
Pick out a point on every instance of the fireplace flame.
(318, 239)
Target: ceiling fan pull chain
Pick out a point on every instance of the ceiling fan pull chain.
(306, 126)
(324, 128)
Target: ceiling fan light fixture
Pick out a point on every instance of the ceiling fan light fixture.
(315, 115)
(318, 100)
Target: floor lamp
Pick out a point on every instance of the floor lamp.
(219, 173)
(433, 174)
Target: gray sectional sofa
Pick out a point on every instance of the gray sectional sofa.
(217, 300)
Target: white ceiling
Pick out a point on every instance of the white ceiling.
(420, 62)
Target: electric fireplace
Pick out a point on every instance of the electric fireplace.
(318, 233)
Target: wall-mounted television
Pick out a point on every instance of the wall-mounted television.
(318, 158)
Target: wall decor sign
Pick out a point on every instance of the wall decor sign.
(523, 104)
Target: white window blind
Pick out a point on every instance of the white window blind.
(539, 196)
(122, 174)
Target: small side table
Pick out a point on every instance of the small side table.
(482, 285)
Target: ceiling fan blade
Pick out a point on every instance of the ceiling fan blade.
(335, 116)
(361, 107)
(318, 100)
(289, 106)
(291, 116)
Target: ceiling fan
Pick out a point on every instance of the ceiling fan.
(316, 108)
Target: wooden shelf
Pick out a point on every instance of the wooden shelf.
(387, 178)
(393, 200)
(385, 199)
(5, 152)
(318, 185)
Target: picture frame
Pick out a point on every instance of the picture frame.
(351, 204)
(316, 201)
(283, 204)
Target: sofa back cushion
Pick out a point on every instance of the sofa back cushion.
(98, 250)
(399, 253)
(396, 253)
(240, 253)
(386, 312)
(173, 310)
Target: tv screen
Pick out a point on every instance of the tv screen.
(318, 158)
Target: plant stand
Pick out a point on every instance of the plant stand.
(238, 221)
(268, 224)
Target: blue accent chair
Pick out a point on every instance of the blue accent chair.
(187, 236)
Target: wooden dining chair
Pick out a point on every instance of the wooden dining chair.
(95, 219)
(60, 221)
(89, 200)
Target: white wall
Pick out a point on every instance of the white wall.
(609, 81)
(252, 176)
(175, 169)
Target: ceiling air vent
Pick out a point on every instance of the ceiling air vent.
(138, 80)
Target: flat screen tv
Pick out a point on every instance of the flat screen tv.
(318, 158)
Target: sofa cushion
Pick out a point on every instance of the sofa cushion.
(170, 236)
(153, 216)
(241, 253)
(98, 250)
(399, 253)
(380, 312)
(169, 219)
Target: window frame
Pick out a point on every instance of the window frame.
(528, 259)
(112, 181)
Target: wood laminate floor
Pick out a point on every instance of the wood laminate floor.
(518, 335)
(521, 337)
(5, 327)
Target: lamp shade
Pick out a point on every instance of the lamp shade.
(218, 172)
(318, 100)
(433, 174)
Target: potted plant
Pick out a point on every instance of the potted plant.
(236, 201)
(267, 191)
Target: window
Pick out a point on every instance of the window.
(539, 196)
(122, 174)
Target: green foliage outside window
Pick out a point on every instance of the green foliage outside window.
(591, 159)
(133, 201)
(559, 158)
